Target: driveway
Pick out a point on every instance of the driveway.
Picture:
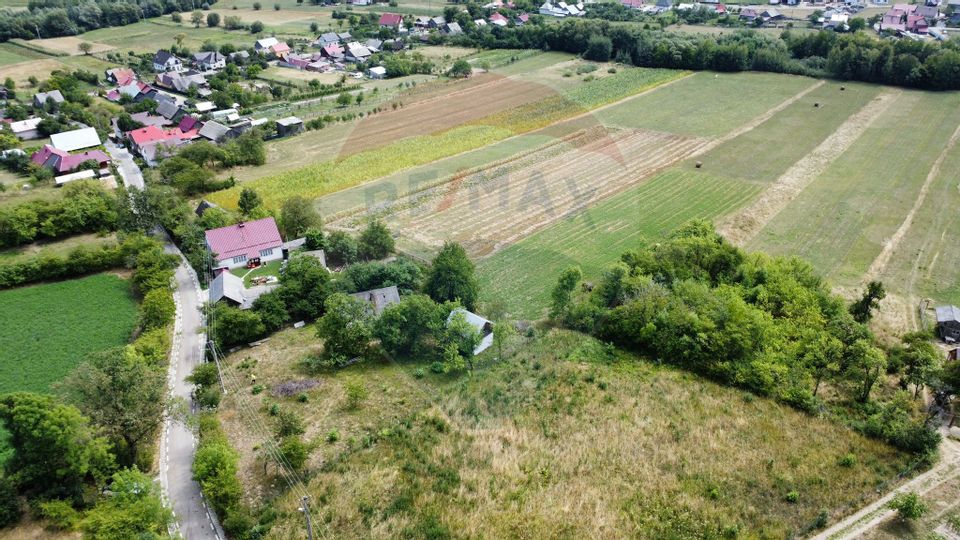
(129, 171)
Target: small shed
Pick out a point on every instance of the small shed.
(948, 323)
(378, 72)
(482, 325)
(290, 125)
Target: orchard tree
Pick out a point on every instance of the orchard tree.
(125, 399)
(85, 47)
(862, 310)
(822, 355)
(196, 18)
(563, 291)
(451, 277)
(213, 19)
(297, 215)
(909, 505)
(249, 200)
(345, 328)
(921, 361)
(866, 364)
(375, 241)
(256, 27)
(344, 99)
(55, 452)
(460, 69)
(502, 332)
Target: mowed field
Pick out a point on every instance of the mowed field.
(49, 328)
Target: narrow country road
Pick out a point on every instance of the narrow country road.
(129, 171)
(178, 444)
(194, 521)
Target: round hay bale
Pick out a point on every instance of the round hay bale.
(698, 164)
(842, 88)
(816, 105)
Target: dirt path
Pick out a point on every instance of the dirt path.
(880, 263)
(744, 225)
(877, 512)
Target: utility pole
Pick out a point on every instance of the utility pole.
(306, 514)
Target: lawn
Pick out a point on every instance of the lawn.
(272, 268)
(518, 279)
(562, 440)
(706, 104)
(49, 328)
(841, 220)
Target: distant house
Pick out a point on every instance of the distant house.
(165, 60)
(205, 106)
(378, 72)
(479, 22)
(948, 323)
(290, 125)
(26, 129)
(214, 131)
(181, 81)
(483, 327)
(148, 119)
(263, 46)
(422, 22)
(522, 19)
(229, 289)
(78, 139)
(235, 245)
(391, 20)
(357, 52)
(498, 19)
(632, 4)
(436, 22)
(150, 136)
(63, 162)
(453, 29)
(374, 45)
(326, 39)
(40, 99)
(120, 76)
(344, 36)
(379, 299)
(332, 51)
(170, 110)
(239, 55)
(209, 61)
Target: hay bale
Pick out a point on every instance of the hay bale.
(816, 105)
(842, 88)
(698, 164)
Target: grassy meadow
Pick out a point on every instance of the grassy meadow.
(565, 439)
(49, 328)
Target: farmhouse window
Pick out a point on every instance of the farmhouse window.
(266, 252)
(240, 259)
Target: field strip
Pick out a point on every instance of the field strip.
(744, 225)
(880, 263)
(752, 124)
(876, 512)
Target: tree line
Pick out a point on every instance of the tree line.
(766, 324)
(55, 18)
(850, 56)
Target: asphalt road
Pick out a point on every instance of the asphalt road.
(125, 164)
(194, 520)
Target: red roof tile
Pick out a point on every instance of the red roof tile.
(391, 19)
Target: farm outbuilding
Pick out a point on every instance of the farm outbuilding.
(379, 299)
(290, 125)
(948, 323)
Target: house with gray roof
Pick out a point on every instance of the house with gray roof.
(379, 299)
(78, 139)
(40, 99)
(214, 131)
(229, 288)
(165, 60)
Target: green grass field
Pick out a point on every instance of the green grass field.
(767, 151)
(840, 221)
(49, 328)
(519, 278)
(151, 34)
(706, 104)
(11, 53)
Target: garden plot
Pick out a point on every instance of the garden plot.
(496, 206)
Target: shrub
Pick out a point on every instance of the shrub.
(847, 461)
(60, 514)
(9, 503)
(792, 497)
(157, 309)
(356, 392)
(257, 388)
(289, 423)
(909, 506)
(333, 436)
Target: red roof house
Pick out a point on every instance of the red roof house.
(391, 20)
(280, 49)
(497, 17)
(63, 162)
(234, 245)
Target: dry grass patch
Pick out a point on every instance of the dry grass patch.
(567, 439)
(69, 45)
(20, 73)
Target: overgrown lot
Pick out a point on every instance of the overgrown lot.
(566, 439)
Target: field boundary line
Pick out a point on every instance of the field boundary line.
(744, 225)
(757, 120)
(879, 264)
